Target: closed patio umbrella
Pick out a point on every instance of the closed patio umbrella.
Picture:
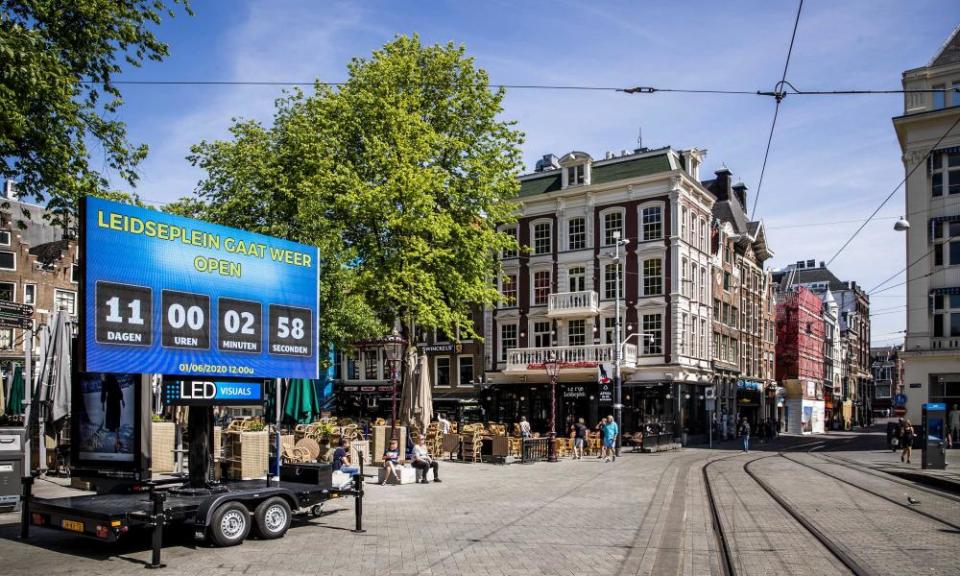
(408, 392)
(424, 400)
(301, 404)
(17, 392)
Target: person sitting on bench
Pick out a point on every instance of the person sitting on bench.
(423, 462)
(391, 459)
(341, 459)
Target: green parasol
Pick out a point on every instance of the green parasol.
(301, 405)
(17, 393)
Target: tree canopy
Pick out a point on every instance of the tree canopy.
(57, 93)
(400, 176)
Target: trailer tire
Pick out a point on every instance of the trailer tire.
(230, 524)
(272, 518)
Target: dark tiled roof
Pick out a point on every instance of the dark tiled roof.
(630, 168)
(51, 251)
(546, 183)
(950, 51)
(603, 171)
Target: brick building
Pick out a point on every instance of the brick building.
(38, 266)
(800, 361)
(743, 307)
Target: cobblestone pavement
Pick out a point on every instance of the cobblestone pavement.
(643, 514)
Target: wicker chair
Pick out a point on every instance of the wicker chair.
(472, 444)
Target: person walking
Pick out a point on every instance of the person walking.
(579, 438)
(953, 426)
(907, 434)
(610, 431)
(743, 431)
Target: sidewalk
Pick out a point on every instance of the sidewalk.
(869, 452)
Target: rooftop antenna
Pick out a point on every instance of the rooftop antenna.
(640, 137)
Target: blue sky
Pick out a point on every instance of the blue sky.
(833, 158)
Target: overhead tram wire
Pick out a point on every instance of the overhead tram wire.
(776, 111)
(890, 195)
(786, 90)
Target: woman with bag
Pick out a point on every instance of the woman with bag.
(906, 437)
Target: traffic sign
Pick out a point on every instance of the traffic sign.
(15, 322)
(900, 400)
(14, 308)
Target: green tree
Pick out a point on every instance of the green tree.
(400, 176)
(57, 96)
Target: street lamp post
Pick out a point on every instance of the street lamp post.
(552, 366)
(618, 352)
(393, 345)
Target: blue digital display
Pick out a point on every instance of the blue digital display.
(170, 295)
(207, 393)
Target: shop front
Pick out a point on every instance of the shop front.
(365, 402)
(507, 403)
(750, 401)
(805, 407)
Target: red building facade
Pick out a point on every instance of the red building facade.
(800, 336)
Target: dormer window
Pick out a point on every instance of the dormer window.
(576, 169)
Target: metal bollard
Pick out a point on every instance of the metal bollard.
(358, 502)
(27, 482)
(157, 520)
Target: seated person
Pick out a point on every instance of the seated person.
(423, 462)
(391, 460)
(341, 460)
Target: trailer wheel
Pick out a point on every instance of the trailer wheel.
(272, 518)
(230, 524)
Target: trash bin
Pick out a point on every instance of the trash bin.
(11, 466)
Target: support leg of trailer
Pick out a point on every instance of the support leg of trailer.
(25, 507)
(157, 519)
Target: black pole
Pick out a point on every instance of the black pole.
(25, 507)
(157, 520)
(358, 501)
(552, 447)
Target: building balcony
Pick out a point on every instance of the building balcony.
(944, 343)
(573, 304)
(571, 358)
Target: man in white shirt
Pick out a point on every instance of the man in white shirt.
(444, 424)
(423, 462)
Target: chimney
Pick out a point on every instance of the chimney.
(548, 162)
(740, 191)
(10, 190)
(722, 185)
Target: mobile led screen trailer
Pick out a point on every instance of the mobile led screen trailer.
(163, 294)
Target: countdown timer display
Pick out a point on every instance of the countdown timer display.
(170, 295)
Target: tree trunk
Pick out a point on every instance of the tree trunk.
(198, 430)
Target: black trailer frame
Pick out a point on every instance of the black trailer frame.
(107, 517)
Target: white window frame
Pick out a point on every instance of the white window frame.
(13, 341)
(603, 224)
(643, 277)
(603, 284)
(13, 290)
(537, 336)
(648, 344)
(510, 253)
(436, 372)
(581, 274)
(357, 358)
(580, 173)
(473, 369)
(501, 350)
(683, 224)
(56, 294)
(533, 236)
(570, 221)
(14, 254)
(377, 365)
(33, 301)
(533, 286)
(516, 300)
(643, 224)
(582, 334)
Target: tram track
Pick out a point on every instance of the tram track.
(870, 470)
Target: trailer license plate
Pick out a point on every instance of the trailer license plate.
(72, 525)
